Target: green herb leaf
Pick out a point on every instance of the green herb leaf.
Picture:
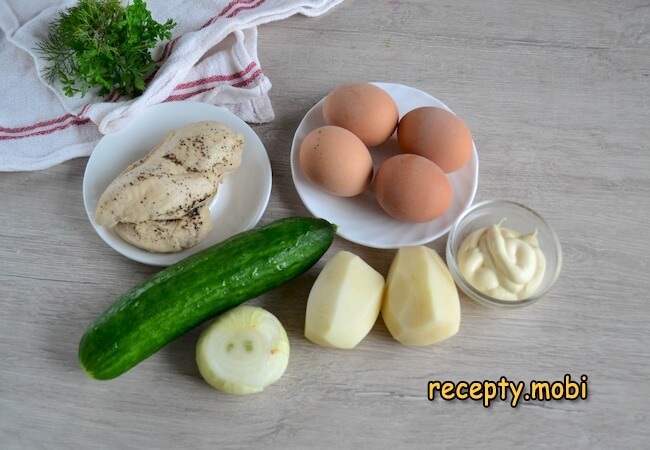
(101, 45)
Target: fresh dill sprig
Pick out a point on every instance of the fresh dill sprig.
(101, 44)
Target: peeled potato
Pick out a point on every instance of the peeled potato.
(421, 304)
(344, 302)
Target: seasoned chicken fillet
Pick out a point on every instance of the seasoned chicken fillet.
(168, 235)
(159, 203)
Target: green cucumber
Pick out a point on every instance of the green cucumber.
(184, 295)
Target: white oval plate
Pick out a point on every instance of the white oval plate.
(360, 219)
(240, 201)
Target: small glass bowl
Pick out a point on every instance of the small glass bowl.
(517, 217)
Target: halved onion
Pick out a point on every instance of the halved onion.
(243, 350)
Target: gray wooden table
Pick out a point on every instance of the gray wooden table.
(557, 96)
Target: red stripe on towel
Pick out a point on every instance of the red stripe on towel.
(77, 121)
(185, 96)
(45, 123)
(216, 78)
(244, 8)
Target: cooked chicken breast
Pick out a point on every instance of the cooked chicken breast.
(168, 235)
(174, 181)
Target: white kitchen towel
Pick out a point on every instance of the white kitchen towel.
(211, 58)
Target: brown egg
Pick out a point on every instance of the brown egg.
(412, 188)
(436, 134)
(336, 160)
(363, 108)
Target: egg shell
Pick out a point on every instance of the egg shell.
(336, 161)
(412, 188)
(436, 134)
(364, 109)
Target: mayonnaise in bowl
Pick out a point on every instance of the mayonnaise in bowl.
(501, 262)
(503, 254)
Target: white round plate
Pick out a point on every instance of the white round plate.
(240, 201)
(360, 219)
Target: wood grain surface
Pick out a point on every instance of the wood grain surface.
(556, 94)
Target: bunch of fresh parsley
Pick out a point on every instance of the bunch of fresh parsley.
(101, 44)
